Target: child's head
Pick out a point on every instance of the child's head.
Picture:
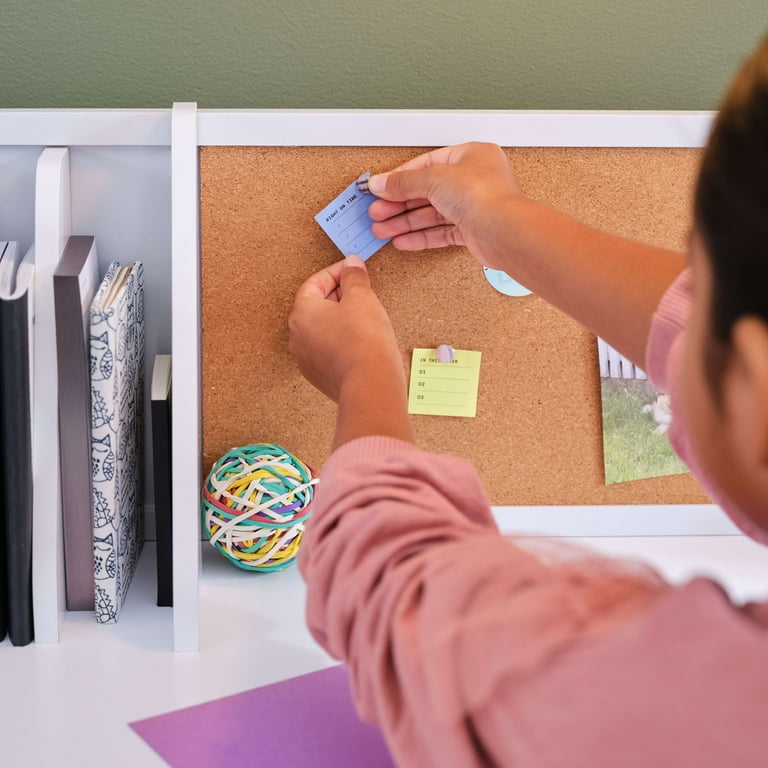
(731, 207)
(726, 367)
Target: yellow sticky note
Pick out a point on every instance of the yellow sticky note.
(444, 389)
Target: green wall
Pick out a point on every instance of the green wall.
(485, 54)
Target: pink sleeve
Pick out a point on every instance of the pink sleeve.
(410, 583)
(471, 649)
(664, 361)
(666, 337)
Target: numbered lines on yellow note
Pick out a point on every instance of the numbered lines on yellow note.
(444, 389)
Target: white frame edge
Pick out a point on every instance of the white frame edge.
(616, 520)
(417, 128)
(429, 128)
(186, 403)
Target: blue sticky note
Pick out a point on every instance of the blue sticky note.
(346, 221)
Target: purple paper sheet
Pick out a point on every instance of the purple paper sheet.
(304, 722)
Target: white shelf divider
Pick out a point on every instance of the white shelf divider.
(186, 403)
(53, 224)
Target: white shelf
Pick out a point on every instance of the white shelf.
(135, 186)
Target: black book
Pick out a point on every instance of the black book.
(16, 317)
(3, 565)
(74, 284)
(160, 399)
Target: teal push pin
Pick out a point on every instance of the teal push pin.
(503, 283)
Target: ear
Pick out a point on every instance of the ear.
(747, 388)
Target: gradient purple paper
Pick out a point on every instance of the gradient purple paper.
(304, 722)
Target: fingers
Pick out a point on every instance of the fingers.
(385, 209)
(409, 180)
(322, 284)
(437, 237)
(401, 185)
(413, 181)
(410, 220)
(354, 276)
(439, 156)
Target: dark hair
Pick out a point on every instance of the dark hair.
(731, 200)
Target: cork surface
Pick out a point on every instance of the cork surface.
(537, 437)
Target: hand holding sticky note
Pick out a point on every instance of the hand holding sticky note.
(444, 389)
(346, 221)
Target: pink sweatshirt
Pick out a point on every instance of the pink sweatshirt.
(468, 648)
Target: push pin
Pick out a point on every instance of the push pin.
(444, 353)
(362, 182)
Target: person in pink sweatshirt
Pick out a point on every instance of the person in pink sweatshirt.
(468, 648)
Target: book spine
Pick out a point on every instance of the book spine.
(104, 444)
(17, 465)
(131, 421)
(75, 442)
(161, 464)
(139, 420)
(3, 559)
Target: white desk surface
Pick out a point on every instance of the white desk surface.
(69, 704)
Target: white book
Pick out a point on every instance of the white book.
(117, 383)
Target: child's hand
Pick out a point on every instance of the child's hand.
(468, 195)
(450, 196)
(344, 344)
(339, 331)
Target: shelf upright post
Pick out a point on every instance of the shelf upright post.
(53, 226)
(185, 347)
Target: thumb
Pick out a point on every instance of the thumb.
(354, 274)
(398, 186)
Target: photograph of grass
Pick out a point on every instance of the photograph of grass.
(635, 421)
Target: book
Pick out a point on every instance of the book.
(304, 722)
(16, 335)
(3, 574)
(160, 407)
(117, 384)
(74, 284)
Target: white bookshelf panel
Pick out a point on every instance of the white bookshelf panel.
(186, 405)
(53, 225)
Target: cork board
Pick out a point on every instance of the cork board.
(537, 437)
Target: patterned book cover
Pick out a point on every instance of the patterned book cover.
(117, 384)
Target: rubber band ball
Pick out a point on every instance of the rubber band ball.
(255, 502)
